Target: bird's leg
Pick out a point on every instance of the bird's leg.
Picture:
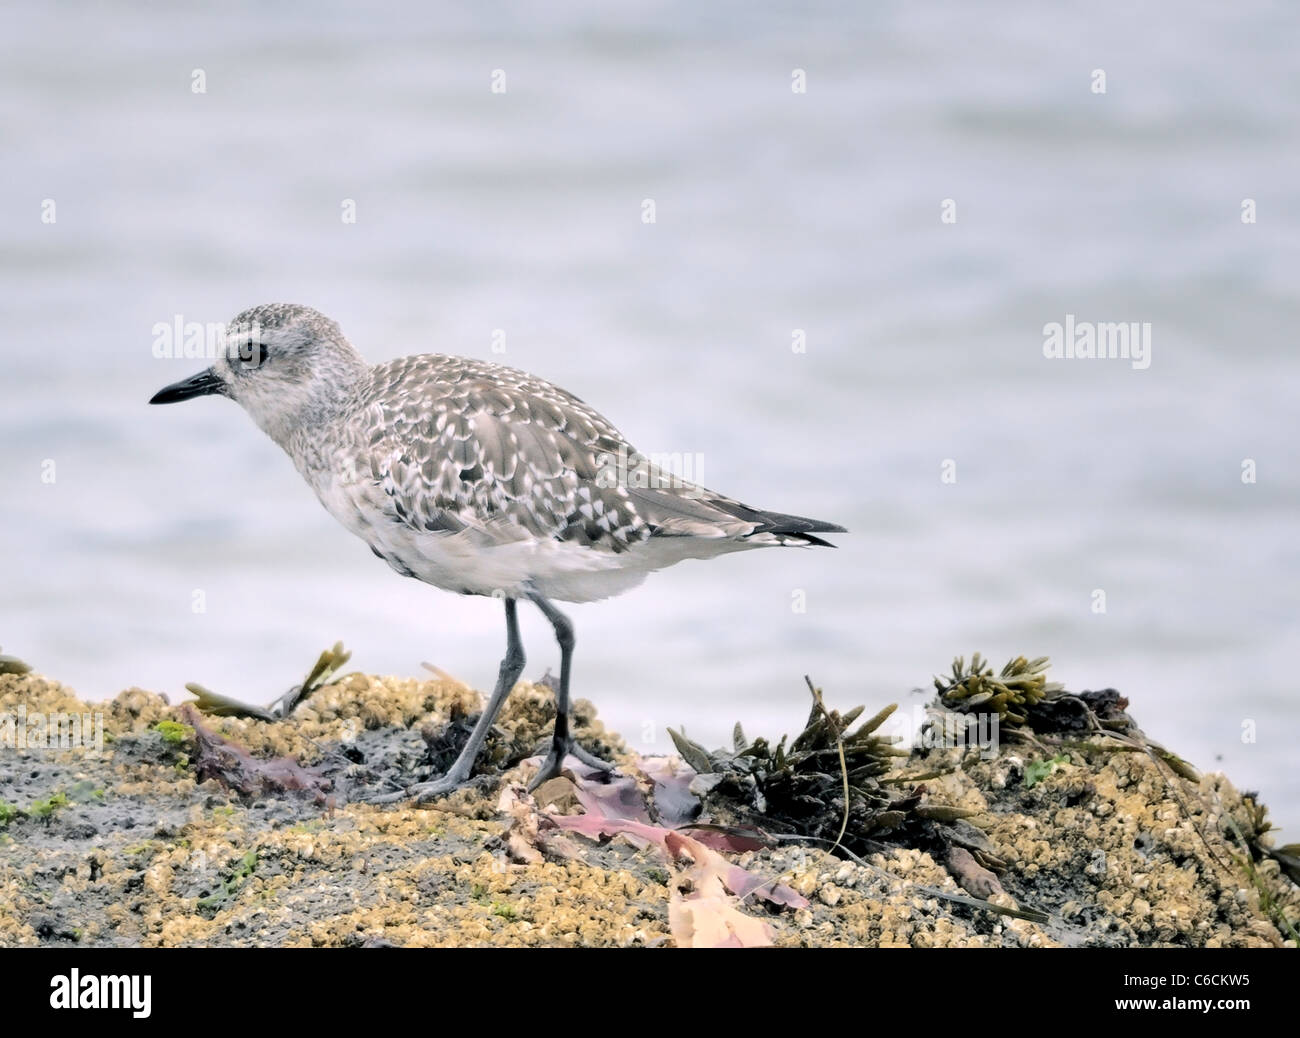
(562, 743)
(511, 667)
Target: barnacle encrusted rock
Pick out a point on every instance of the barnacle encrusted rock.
(125, 847)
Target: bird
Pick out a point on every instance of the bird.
(479, 479)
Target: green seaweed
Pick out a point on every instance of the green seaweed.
(174, 733)
(1037, 770)
(44, 809)
(84, 791)
(236, 876)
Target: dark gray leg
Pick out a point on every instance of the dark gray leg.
(511, 667)
(562, 743)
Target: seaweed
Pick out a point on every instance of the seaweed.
(323, 672)
(1250, 833)
(1045, 716)
(13, 665)
(1037, 770)
(1012, 694)
(216, 757)
(236, 876)
(174, 733)
(43, 810)
(825, 784)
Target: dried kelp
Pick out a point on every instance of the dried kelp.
(797, 786)
(1012, 694)
(216, 757)
(323, 672)
(1082, 712)
(13, 665)
(1252, 828)
(1041, 712)
(1288, 856)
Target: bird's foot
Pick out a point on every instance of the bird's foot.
(435, 789)
(422, 792)
(590, 759)
(427, 792)
(551, 768)
(553, 765)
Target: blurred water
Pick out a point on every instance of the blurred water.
(775, 211)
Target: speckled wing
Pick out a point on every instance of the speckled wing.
(462, 445)
(459, 444)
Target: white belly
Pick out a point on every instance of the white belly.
(501, 562)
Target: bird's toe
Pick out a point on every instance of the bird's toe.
(427, 792)
(551, 768)
(590, 759)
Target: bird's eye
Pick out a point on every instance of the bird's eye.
(252, 354)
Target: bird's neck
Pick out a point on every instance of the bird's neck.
(314, 410)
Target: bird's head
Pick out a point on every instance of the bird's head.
(286, 365)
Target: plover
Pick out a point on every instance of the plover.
(476, 478)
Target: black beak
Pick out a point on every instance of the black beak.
(202, 384)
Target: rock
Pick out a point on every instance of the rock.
(1103, 847)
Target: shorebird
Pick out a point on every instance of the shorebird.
(479, 479)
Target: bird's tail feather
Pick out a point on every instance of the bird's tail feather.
(708, 515)
(797, 528)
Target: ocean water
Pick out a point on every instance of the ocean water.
(776, 213)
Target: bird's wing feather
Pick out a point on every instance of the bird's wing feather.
(507, 455)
